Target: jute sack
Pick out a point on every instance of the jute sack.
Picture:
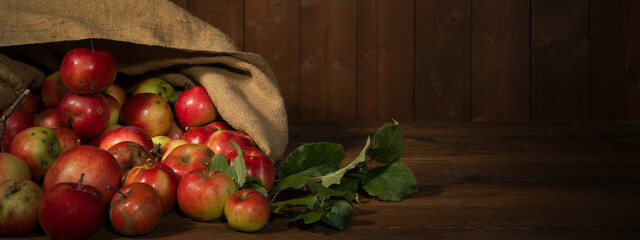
(145, 36)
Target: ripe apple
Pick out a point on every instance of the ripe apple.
(114, 109)
(117, 92)
(135, 209)
(71, 210)
(12, 167)
(219, 125)
(19, 200)
(188, 157)
(129, 154)
(148, 111)
(100, 166)
(38, 147)
(160, 141)
(219, 141)
(48, 118)
(88, 115)
(170, 146)
(68, 138)
(202, 193)
(257, 163)
(198, 135)
(175, 132)
(194, 107)
(85, 71)
(159, 176)
(126, 133)
(52, 91)
(247, 210)
(18, 121)
(155, 85)
(30, 103)
(96, 140)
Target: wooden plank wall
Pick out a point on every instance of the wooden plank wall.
(436, 60)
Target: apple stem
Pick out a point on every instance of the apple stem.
(91, 45)
(80, 181)
(78, 143)
(3, 124)
(118, 191)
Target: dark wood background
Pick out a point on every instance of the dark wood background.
(442, 60)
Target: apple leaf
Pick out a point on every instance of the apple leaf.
(219, 162)
(393, 182)
(339, 215)
(256, 184)
(239, 166)
(312, 155)
(336, 176)
(323, 192)
(294, 181)
(304, 201)
(387, 144)
(308, 216)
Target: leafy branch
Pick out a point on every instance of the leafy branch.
(314, 169)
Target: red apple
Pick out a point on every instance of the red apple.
(170, 146)
(126, 133)
(135, 210)
(148, 111)
(38, 147)
(68, 138)
(110, 128)
(219, 125)
(100, 166)
(18, 121)
(12, 167)
(85, 71)
(71, 210)
(88, 115)
(129, 154)
(202, 194)
(188, 157)
(195, 108)
(175, 132)
(257, 163)
(197, 135)
(247, 210)
(19, 200)
(117, 92)
(30, 103)
(159, 176)
(48, 118)
(219, 141)
(114, 108)
(52, 91)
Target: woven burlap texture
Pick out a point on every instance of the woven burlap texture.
(144, 36)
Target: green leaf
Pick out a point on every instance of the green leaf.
(335, 177)
(387, 144)
(308, 216)
(317, 171)
(239, 166)
(219, 162)
(304, 201)
(340, 215)
(255, 184)
(294, 181)
(323, 192)
(393, 182)
(312, 155)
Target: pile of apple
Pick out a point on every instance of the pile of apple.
(82, 149)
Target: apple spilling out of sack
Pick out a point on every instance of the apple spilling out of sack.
(82, 149)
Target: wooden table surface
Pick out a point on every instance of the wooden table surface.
(533, 180)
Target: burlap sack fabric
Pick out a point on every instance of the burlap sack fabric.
(144, 36)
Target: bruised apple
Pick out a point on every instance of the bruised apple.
(38, 147)
(19, 200)
(188, 157)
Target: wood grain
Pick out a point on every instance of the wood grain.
(272, 29)
(226, 15)
(385, 60)
(560, 60)
(328, 60)
(500, 60)
(443, 60)
(632, 83)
